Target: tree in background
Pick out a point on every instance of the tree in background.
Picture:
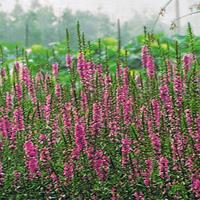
(40, 25)
(4, 32)
(16, 24)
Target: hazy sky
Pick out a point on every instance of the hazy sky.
(122, 9)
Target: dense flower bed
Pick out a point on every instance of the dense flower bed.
(121, 136)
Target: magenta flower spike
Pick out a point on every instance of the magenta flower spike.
(187, 62)
(55, 69)
(144, 55)
(163, 167)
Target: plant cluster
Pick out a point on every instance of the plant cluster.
(105, 135)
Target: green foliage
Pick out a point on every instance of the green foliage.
(162, 47)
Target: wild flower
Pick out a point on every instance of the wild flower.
(126, 149)
(55, 69)
(115, 195)
(33, 166)
(96, 119)
(196, 186)
(58, 91)
(169, 70)
(68, 171)
(17, 66)
(155, 139)
(127, 111)
(47, 108)
(100, 163)
(166, 99)
(30, 149)
(156, 112)
(178, 88)
(17, 176)
(178, 149)
(18, 90)
(68, 61)
(32, 160)
(189, 121)
(19, 119)
(150, 65)
(187, 62)
(145, 54)
(66, 115)
(163, 165)
(84, 101)
(9, 102)
(39, 78)
(5, 127)
(55, 129)
(80, 137)
(138, 196)
(45, 155)
(147, 173)
(26, 77)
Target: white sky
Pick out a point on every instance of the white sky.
(122, 9)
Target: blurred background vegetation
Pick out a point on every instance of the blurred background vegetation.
(40, 25)
(37, 35)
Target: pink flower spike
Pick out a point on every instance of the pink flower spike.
(30, 149)
(68, 171)
(80, 139)
(69, 61)
(187, 61)
(19, 119)
(150, 67)
(145, 54)
(55, 69)
(163, 167)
